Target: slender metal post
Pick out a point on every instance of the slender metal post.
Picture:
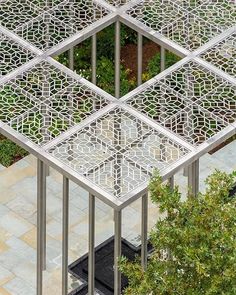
(117, 59)
(91, 256)
(140, 59)
(163, 59)
(65, 235)
(171, 181)
(71, 58)
(44, 214)
(117, 252)
(144, 231)
(193, 178)
(40, 168)
(94, 59)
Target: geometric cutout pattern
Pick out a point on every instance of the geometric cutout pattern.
(118, 151)
(223, 55)
(12, 55)
(176, 21)
(117, 144)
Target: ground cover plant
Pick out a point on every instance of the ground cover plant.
(10, 152)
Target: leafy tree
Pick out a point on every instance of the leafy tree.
(194, 244)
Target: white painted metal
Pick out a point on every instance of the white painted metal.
(27, 60)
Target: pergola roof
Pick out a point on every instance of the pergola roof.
(111, 146)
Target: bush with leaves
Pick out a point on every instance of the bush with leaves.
(154, 65)
(199, 236)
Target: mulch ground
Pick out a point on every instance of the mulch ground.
(129, 56)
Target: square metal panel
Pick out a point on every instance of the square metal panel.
(118, 152)
(112, 146)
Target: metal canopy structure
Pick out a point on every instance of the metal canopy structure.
(111, 145)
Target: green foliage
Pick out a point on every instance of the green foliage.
(154, 65)
(106, 77)
(9, 151)
(198, 238)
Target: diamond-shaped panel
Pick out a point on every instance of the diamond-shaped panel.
(12, 55)
(41, 124)
(157, 102)
(192, 81)
(221, 102)
(79, 14)
(223, 55)
(173, 20)
(118, 129)
(14, 13)
(221, 13)
(82, 152)
(195, 124)
(77, 102)
(121, 158)
(155, 151)
(14, 102)
(45, 31)
(43, 80)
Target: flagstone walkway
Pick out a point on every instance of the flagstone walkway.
(18, 222)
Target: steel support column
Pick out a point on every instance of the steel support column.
(40, 177)
(117, 252)
(144, 231)
(163, 59)
(171, 181)
(140, 59)
(71, 58)
(91, 253)
(65, 235)
(94, 59)
(117, 59)
(44, 214)
(193, 178)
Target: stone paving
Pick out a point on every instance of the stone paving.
(18, 222)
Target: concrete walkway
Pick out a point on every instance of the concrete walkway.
(18, 222)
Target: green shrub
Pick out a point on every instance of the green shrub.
(154, 65)
(194, 245)
(9, 151)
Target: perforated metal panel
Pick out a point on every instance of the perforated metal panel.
(113, 146)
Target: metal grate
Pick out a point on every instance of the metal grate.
(223, 55)
(12, 55)
(112, 146)
(118, 151)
